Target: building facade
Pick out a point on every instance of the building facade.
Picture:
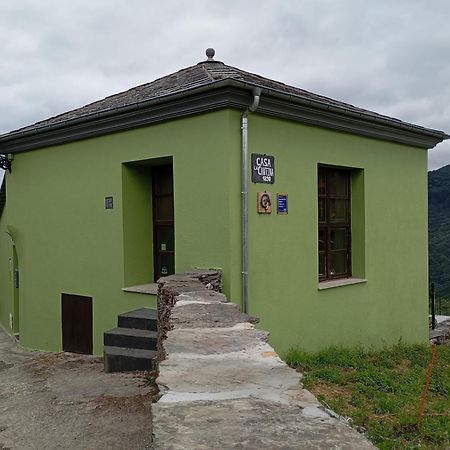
(102, 201)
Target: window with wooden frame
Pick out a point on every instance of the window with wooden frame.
(334, 197)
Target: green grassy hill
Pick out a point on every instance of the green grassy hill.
(439, 229)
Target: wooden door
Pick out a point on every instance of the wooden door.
(76, 323)
(163, 222)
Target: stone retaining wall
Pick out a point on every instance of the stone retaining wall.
(208, 282)
(223, 386)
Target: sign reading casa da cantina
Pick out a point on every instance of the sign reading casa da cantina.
(263, 168)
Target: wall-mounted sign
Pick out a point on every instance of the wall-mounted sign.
(263, 168)
(109, 203)
(264, 205)
(282, 203)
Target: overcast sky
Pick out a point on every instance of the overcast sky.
(392, 57)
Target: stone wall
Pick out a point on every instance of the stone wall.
(223, 386)
(202, 282)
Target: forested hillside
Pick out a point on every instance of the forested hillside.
(439, 229)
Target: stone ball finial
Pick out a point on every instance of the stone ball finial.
(210, 52)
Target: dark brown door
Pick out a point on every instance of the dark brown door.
(76, 323)
(163, 221)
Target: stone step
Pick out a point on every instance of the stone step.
(142, 319)
(118, 359)
(131, 338)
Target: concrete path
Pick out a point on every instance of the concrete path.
(224, 387)
(66, 401)
(441, 333)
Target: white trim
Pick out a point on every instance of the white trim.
(150, 288)
(340, 282)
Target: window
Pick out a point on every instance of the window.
(334, 223)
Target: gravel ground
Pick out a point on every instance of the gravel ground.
(65, 400)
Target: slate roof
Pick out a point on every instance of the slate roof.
(211, 75)
(202, 74)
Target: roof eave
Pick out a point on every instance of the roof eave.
(337, 117)
(216, 95)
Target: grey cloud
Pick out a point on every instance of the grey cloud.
(390, 57)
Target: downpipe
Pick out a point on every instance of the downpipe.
(244, 192)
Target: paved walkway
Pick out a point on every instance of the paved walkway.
(224, 387)
(441, 333)
(66, 401)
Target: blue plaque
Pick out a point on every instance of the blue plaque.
(282, 203)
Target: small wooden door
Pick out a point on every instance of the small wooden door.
(76, 323)
(163, 222)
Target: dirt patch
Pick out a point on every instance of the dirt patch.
(63, 400)
(47, 363)
(137, 403)
(403, 366)
(332, 391)
(335, 392)
(4, 366)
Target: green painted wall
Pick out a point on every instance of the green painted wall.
(389, 241)
(7, 303)
(67, 242)
(137, 221)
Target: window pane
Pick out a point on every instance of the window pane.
(322, 182)
(337, 182)
(333, 222)
(338, 263)
(322, 266)
(338, 239)
(322, 240)
(322, 210)
(338, 210)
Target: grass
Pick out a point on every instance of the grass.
(381, 391)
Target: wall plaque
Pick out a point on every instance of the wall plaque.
(109, 203)
(264, 205)
(282, 203)
(263, 168)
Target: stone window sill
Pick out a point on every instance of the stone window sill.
(150, 288)
(340, 282)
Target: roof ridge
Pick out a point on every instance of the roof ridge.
(150, 82)
(324, 97)
(132, 89)
(207, 71)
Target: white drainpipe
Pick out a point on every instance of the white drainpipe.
(244, 128)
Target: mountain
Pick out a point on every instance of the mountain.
(439, 229)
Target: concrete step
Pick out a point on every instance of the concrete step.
(131, 338)
(118, 359)
(142, 319)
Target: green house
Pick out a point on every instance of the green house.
(324, 238)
